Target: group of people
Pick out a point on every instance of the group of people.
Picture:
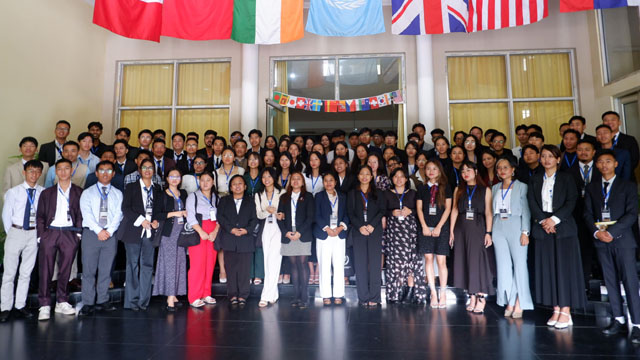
(532, 217)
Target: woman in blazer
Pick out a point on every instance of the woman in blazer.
(330, 231)
(552, 196)
(171, 268)
(202, 257)
(136, 231)
(366, 207)
(297, 207)
(237, 217)
(511, 226)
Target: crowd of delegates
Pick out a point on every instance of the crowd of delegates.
(531, 219)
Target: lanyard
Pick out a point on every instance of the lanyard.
(566, 160)
(74, 170)
(615, 140)
(455, 172)
(30, 198)
(197, 182)
(504, 194)
(177, 199)
(469, 196)
(227, 174)
(253, 183)
(313, 183)
(400, 198)
(606, 196)
(433, 194)
(413, 169)
(284, 182)
(585, 177)
(149, 194)
(65, 196)
(94, 149)
(207, 199)
(551, 190)
(366, 202)
(103, 196)
(333, 204)
(272, 194)
(59, 149)
(121, 166)
(294, 203)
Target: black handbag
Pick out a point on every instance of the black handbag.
(188, 236)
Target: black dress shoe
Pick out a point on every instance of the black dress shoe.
(171, 308)
(409, 297)
(178, 304)
(4, 315)
(614, 328)
(635, 335)
(86, 310)
(108, 307)
(24, 313)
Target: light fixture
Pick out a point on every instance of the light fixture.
(292, 76)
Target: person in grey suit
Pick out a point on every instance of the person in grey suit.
(511, 226)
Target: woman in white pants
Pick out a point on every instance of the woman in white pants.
(267, 201)
(330, 231)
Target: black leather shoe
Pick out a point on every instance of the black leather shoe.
(24, 313)
(635, 335)
(408, 299)
(178, 304)
(4, 315)
(86, 310)
(614, 328)
(171, 308)
(105, 307)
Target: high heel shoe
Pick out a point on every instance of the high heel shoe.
(434, 300)
(564, 325)
(508, 313)
(553, 322)
(482, 300)
(472, 302)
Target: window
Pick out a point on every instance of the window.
(335, 78)
(619, 41)
(174, 96)
(503, 90)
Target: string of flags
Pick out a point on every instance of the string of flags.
(350, 105)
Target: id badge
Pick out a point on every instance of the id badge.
(212, 214)
(32, 218)
(504, 214)
(180, 220)
(69, 216)
(365, 215)
(270, 219)
(433, 209)
(333, 221)
(582, 193)
(470, 214)
(606, 215)
(103, 216)
(293, 228)
(149, 212)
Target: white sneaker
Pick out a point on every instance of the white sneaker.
(198, 303)
(44, 313)
(209, 300)
(223, 280)
(65, 308)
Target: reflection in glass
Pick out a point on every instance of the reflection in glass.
(620, 31)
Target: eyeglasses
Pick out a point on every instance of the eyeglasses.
(192, 145)
(227, 156)
(173, 177)
(147, 168)
(106, 171)
(498, 141)
(65, 129)
(199, 163)
(470, 142)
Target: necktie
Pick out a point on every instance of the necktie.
(434, 191)
(149, 204)
(606, 185)
(121, 166)
(27, 209)
(159, 167)
(178, 157)
(190, 166)
(218, 163)
(104, 206)
(586, 174)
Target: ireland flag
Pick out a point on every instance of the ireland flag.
(267, 21)
(345, 17)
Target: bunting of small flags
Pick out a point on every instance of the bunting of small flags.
(351, 105)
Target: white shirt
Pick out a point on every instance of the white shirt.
(331, 155)
(141, 219)
(222, 180)
(58, 149)
(90, 208)
(610, 181)
(583, 173)
(309, 181)
(516, 151)
(294, 200)
(262, 202)
(15, 200)
(547, 195)
(238, 204)
(217, 159)
(61, 219)
(499, 203)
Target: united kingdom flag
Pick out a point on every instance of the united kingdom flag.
(420, 17)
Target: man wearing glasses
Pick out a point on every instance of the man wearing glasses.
(52, 151)
(101, 215)
(497, 143)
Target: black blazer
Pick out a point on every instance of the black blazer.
(129, 167)
(376, 209)
(565, 196)
(577, 177)
(623, 204)
(323, 214)
(132, 208)
(348, 183)
(305, 213)
(163, 205)
(630, 144)
(47, 153)
(229, 218)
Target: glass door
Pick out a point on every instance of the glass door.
(630, 113)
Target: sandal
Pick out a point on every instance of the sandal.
(553, 322)
(337, 301)
(234, 301)
(481, 301)
(257, 281)
(209, 300)
(263, 303)
(472, 303)
(316, 279)
(286, 279)
(434, 300)
(280, 279)
(442, 304)
(326, 301)
(198, 303)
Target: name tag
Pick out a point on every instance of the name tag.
(180, 220)
(293, 228)
(149, 212)
(69, 216)
(504, 214)
(470, 215)
(365, 215)
(606, 215)
(270, 219)
(32, 218)
(433, 210)
(103, 216)
(212, 215)
(333, 221)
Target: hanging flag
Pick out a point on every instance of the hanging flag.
(316, 105)
(579, 5)
(136, 19)
(284, 99)
(498, 14)
(351, 105)
(267, 21)
(373, 102)
(420, 17)
(292, 101)
(397, 97)
(381, 101)
(365, 104)
(345, 17)
(276, 96)
(301, 103)
(342, 107)
(197, 19)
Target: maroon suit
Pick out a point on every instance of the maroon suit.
(65, 241)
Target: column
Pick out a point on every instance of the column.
(426, 100)
(249, 100)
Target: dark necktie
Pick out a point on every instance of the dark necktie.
(434, 191)
(606, 185)
(586, 174)
(159, 168)
(104, 206)
(27, 209)
(178, 157)
(121, 166)
(217, 163)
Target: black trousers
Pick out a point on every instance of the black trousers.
(367, 251)
(619, 264)
(238, 266)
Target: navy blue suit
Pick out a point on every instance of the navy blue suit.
(323, 214)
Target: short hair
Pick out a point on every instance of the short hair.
(532, 147)
(391, 133)
(211, 132)
(65, 122)
(338, 133)
(437, 131)
(587, 141)
(71, 143)
(191, 138)
(353, 133)
(552, 149)
(418, 125)
(120, 141)
(236, 132)
(476, 127)
(378, 132)
(193, 134)
(464, 134)
(27, 139)
(96, 124)
(145, 131)
(536, 134)
(145, 152)
(34, 164)
(105, 162)
(255, 131)
(224, 141)
(159, 141)
(521, 127)
(610, 113)
(395, 171)
(396, 159)
(563, 124)
(63, 161)
(412, 135)
(83, 135)
(490, 132)
(606, 152)
(364, 130)
(571, 131)
(108, 151)
(125, 129)
(242, 141)
(579, 118)
(498, 133)
(536, 127)
(603, 126)
(159, 131)
(332, 174)
(178, 134)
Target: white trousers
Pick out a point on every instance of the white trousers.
(19, 244)
(331, 251)
(271, 242)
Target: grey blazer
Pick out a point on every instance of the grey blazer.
(519, 204)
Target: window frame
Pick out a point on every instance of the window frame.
(174, 107)
(337, 58)
(510, 100)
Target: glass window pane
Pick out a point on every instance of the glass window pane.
(137, 120)
(485, 115)
(204, 83)
(621, 32)
(201, 120)
(147, 85)
(477, 77)
(309, 78)
(369, 76)
(548, 114)
(541, 75)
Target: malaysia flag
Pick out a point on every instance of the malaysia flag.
(420, 17)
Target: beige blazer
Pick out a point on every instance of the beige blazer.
(13, 176)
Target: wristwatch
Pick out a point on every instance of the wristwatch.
(525, 233)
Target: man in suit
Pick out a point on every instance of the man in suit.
(421, 130)
(615, 243)
(605, 140)
(95, 129)
(117, 180)
(255, 139)
(209, 138)
(365, 138)
(391, 140)
(162, 163)
(145, 137)
(569, 144)
(622, 141)
(579, 123)
(177, 147)
(497, 144)
(186, 163)
(58, 226)
(14, 175)
(124, 165)
(52, 151)
(124, 133)
(240, 150)
(79, 171)
(435, 134)
(378, 138)
(529, 163)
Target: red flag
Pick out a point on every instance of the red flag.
(301, 103)
(197, 19)
(134, 19)
(373, 102)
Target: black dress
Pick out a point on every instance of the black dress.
(430, 244)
